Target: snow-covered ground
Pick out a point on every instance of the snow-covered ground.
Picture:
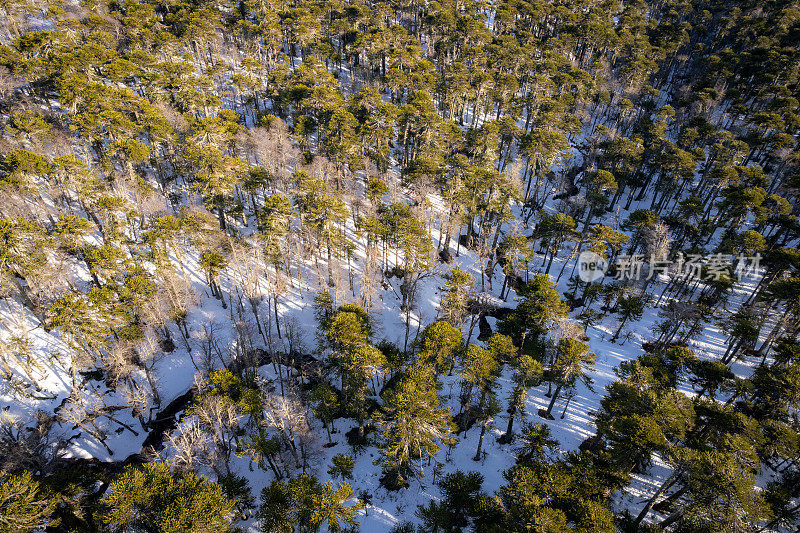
(176, 373)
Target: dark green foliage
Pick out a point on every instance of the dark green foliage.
(304, 503)
(342, 466)
(25, 505)
(414, 426)
(541, 305)
(460, 503)
(151, 496)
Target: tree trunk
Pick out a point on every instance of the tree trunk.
(553, 400)
(509, 435)
(480, 442)
(663, 488)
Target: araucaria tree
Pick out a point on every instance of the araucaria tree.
(414, 426)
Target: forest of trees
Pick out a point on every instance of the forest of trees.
(298, 266)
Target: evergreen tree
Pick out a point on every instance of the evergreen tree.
(440, 344)
(414, 426)
(342, 466)
(573, 362)
(540, 307)
(461, 495)
(24, 506)
(153, 497)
